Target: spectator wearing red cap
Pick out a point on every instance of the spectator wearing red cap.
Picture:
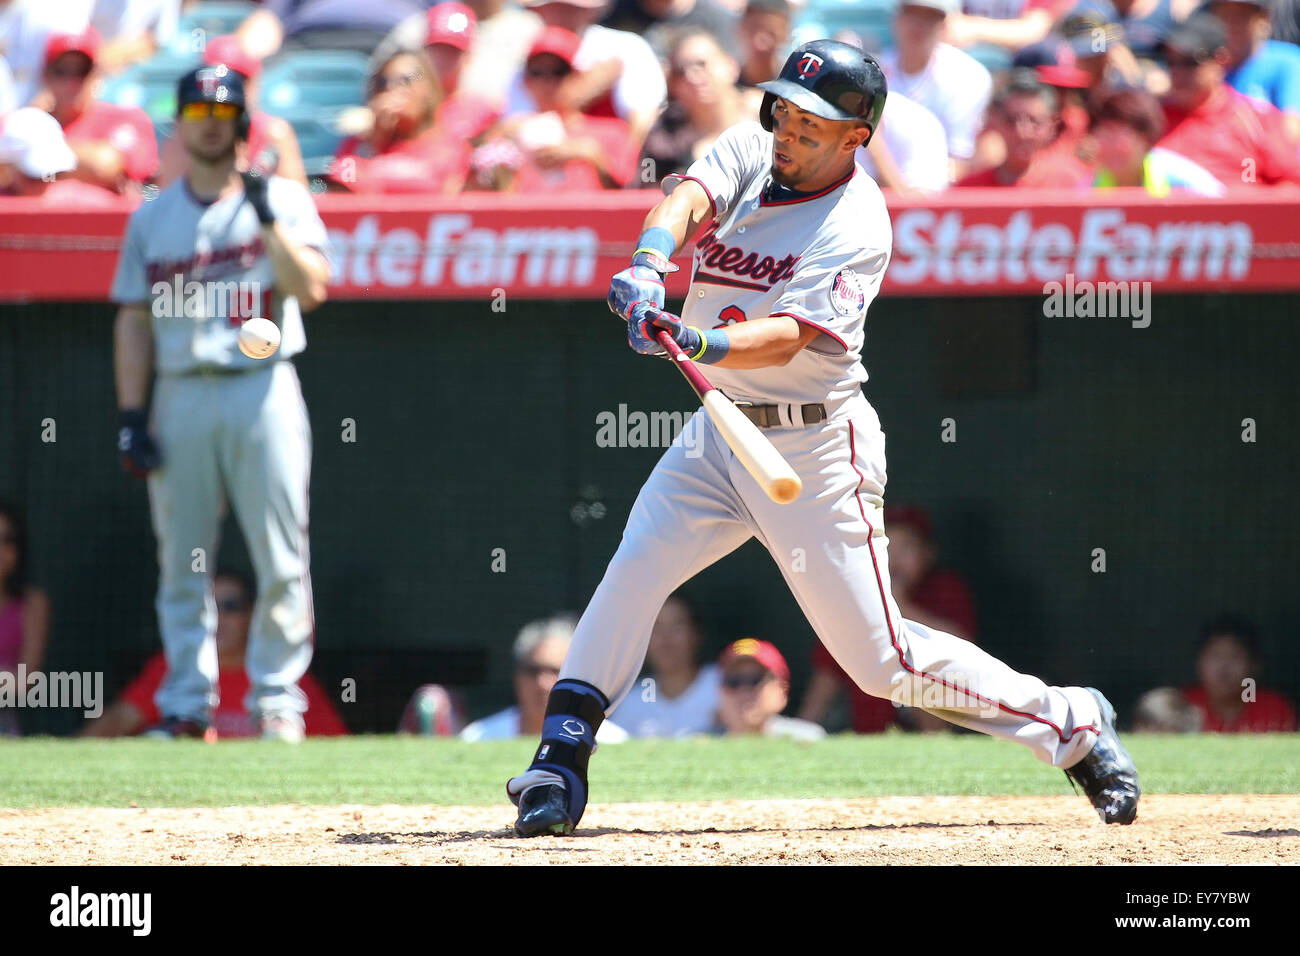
(1025, 116)
(554, 147)
(1126, 129)
(755, 689)
(405, 150)
(450, 36)
(925, 593)
(1240, 141)
(615, 73)
(703, 101)
(115, 145)
(502, 35)
(272, 143)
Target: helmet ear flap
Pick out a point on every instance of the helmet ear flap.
(765, 111)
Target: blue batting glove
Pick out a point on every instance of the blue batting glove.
(635, 285)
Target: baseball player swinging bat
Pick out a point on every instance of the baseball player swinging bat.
(760, 458)
(794, 246)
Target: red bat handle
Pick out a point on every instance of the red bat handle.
(684, 365)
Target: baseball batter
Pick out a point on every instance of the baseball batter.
(796, 246)
(215, 248)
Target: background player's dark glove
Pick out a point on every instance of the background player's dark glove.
(140, 454)
(255, 192)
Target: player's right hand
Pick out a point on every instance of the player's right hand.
(140, 453)
(635, 284)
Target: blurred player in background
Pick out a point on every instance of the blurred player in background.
(137, 710)
(229, 429)
(1227, 697)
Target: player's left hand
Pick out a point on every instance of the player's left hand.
(645, 322)
(255, 183)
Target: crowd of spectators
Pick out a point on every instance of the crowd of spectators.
(565, 95)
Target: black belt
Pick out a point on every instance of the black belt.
(769, 416)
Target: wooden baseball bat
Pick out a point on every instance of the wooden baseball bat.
(772, 472)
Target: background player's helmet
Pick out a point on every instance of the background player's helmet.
(215, 84)
(829, 79)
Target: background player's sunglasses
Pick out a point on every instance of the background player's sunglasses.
(194, 112)
(70, 72)
(745, 682)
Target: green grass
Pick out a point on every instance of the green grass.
(370, 770)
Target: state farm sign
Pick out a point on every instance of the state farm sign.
(450, 252)
(964, 242)
(954, 250)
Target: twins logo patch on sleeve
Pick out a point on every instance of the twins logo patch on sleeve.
(847, 296)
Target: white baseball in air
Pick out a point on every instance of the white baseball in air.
(259, 338)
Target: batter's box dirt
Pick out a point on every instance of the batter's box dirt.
(891, 830)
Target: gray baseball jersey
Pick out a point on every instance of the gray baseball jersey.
(819, 260)
(202, 269)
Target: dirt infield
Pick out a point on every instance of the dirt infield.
(893, 830)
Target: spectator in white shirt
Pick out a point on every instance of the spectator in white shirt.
(913, 148)
(949, 83)
(538, 654)
(679, 697)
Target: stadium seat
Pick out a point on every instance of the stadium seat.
(310, 88)
(203, 21)
(319, 80)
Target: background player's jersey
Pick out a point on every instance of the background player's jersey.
(218, 245)
(818, 259)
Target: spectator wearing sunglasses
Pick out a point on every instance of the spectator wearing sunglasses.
(703, 101)
(1025, 114)
(554, 147)
(1240, 141)
(271, 145)
(538, 653)
(135, 709)
(24, 610)
(405, 151)
(755, 689)
(114, 145)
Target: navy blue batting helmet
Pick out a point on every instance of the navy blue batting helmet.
(829, 79)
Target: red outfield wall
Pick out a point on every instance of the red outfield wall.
(967, 242)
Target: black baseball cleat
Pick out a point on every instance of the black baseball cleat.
(544, 809)
(1107, 774)
(178, 728)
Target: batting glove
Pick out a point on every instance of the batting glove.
(140, 454)
(635, 286)
(255, 192)
(707, 347)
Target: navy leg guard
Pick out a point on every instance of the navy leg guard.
(574, 712)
